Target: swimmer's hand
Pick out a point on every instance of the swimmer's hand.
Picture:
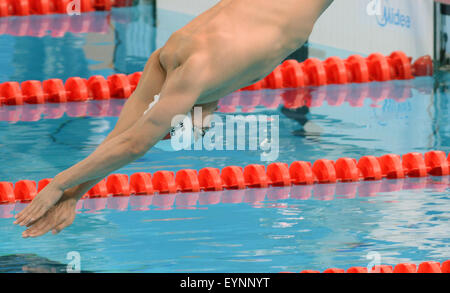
(40, 204)
(58, 217)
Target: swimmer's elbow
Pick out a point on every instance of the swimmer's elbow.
(139, 144)
(137, 147)
(138, 150)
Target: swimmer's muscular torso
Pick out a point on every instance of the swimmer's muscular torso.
(243, 40)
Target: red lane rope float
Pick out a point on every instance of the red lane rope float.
(210, 180)
(140, 183)
(424, 267)
(30, 7)
(311, 72)
(390, 166)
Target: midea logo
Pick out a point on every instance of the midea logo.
(387, 14)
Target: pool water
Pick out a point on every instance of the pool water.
(252, 230)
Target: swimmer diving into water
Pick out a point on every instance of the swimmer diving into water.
(230, 46)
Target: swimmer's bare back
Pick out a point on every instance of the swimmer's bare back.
(231, 45)
(238, 42)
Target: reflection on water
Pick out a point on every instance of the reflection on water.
(56, 25)
(40, 47)
(30, 263)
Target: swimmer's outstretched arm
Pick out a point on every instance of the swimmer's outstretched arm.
(154, 77)
(178, 96)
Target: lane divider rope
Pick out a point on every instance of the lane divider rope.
(290, 74)
(334, 96)
(255, 196)
(424, 267)
(390, 166)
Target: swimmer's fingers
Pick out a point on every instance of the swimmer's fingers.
(31, 216)
(24, 216)
(31, 222)
(40, 228)
(61, 226)
(35, 216)
(39, 206)
(56, 219)
(21, 216)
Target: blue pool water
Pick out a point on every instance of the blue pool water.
(253, 230)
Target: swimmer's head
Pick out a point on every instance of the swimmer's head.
(200, 117)
(201, 126)
(195, 124)
(207, 110)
